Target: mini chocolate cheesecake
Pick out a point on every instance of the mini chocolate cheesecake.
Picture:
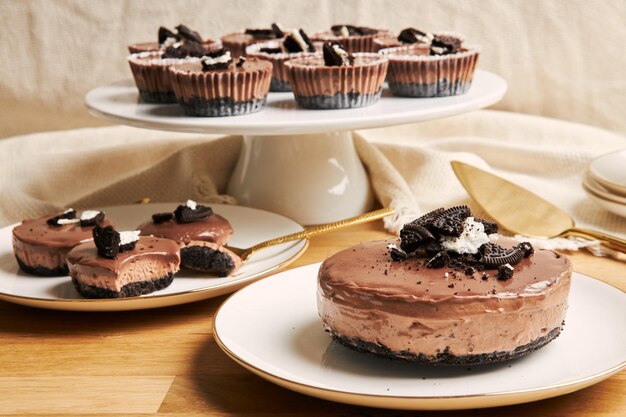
(409, 36)
(336, 79)
(167, 38)
(445, 293)
(200, 234)
(295, 45)
(447, 69)
(237, 42)
(41, 245)
(122, 264)
(216, 86)
(352, 38)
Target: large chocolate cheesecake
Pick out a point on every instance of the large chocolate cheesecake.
(439, 298)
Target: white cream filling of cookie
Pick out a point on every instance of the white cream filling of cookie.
(191, 204)
(88, 214)
(222, 59)
(67, 221)
(129, 237)
(472, 238)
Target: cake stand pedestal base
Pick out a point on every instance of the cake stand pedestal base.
(310, 178)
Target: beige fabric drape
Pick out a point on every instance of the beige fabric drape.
(408, 165)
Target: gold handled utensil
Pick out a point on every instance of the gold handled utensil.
(312, 231)
(522, 212)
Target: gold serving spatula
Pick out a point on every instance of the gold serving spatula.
(522, 212)
(313, 230)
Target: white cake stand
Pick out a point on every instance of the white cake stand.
(299, 163)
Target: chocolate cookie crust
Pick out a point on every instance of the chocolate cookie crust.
(206, 259)
(42, 270)
(129, 290)
(445, 357)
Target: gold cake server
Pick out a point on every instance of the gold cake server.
(522, 212)
(312, 231)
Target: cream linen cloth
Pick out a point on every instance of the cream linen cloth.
(408, 165)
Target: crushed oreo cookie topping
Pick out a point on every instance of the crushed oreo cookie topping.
(107, 241)
(298, 41)
(216, 60)
(412, 35)
(185, 214)
(158, 218)
(241, 61)
(278, 31)
(336, 56)
(453, 238)
(61, 219)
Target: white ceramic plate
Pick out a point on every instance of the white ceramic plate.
(594, 187)
(272, 328)
(118, 102)
(610, 205)
(251, 226)
(609, 170)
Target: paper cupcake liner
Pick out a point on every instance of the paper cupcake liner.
(280, 77)
(309, 77)
(198, 107)
(430, 76)
(152, 77)
(338, 101)
(215, 93)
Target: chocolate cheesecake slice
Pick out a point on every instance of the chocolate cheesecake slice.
(200, 233)
(118, 265)
(445, 293)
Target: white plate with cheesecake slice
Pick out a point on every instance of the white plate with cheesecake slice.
(273, 329)
(251, 226)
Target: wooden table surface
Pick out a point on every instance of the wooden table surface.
(166, 362)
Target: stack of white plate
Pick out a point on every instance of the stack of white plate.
(605, 181)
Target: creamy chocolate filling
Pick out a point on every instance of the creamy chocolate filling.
(406, 306)
(213, 228)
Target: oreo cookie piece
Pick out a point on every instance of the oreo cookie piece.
(184, 50)
(298, 42)
(505, 272)
(128, 240)
(271, 50)
(91, 218)
(451, 221)
(490, 227)
(509, 257)
(158, 218)
(444, 45)
(185, 214)
(440, 260)
(351, 30)
(216, 60)
(186, 33)
(278, 31)
(413, 236)
(527, 248)
(407, 36)
(241, 61)
(396, 253)
(107, 241)
(165, 33)
(69, 214)
(336, 56)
